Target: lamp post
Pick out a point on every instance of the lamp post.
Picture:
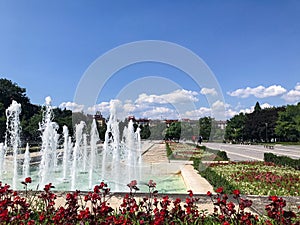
(266, 132)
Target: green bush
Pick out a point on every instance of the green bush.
(213, 178)
(282, 160)
(169, 151)
(222, 155)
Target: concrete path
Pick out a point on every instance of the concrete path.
(193, 181)
(156, 154)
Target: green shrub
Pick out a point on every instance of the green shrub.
(282, 160)
(169, 151)
(212, 177)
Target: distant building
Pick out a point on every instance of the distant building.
(141, 121)
(221, 124)
(100, 119)
(168, 122)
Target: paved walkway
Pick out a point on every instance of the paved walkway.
(193, 181)
(156, 154)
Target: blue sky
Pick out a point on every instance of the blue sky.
(252, 48)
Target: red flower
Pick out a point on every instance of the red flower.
(220, 190)
(190, 193)
(42, 217)
(30, 222)
(209, 194)
(236, 192)
(273, 198)
(28, 180)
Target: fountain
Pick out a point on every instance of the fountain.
(66, 152)
(84, 155)
(94, 139)
(49, 145)
(78, 165)
(26, 163)
(12, 139)
(76, 152)
(2, 157)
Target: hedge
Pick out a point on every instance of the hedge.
(282, 160)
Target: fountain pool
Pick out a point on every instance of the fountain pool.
(84, 163)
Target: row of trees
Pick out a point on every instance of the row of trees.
(265, 125)
(262, 125)
(31, 116)
(270, 124)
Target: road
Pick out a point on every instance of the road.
(238, 152)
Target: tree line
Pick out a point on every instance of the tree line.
(262, 125)
(31, 115)
(265, 125)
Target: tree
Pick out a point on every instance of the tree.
(288, 123)
(11, 91)
(173, 131)
(205, 125)
(145, 131)
(260, 124)
(257, 107)
(235, 129)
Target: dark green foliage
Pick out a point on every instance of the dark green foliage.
(257, 107)
(235, 129)
(63, 117)
(213, 178)
(205, 126)
(11, 91)
(260, 125)
(288, 124)
(169, 151)
(173, 131)
(145, 131)
(282, 160)
(222, 155)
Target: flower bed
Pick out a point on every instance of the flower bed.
(181, 151)
(259, 178)
(94, 208)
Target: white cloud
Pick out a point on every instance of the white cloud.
(230, 113)
(259, 91)
(103, 107)
(265, 105)
(160, 113)
(219, 105)
(208, 91)
(177, 96)
(251, 109)
(71, 106)
(198, 113)
(293, 96)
